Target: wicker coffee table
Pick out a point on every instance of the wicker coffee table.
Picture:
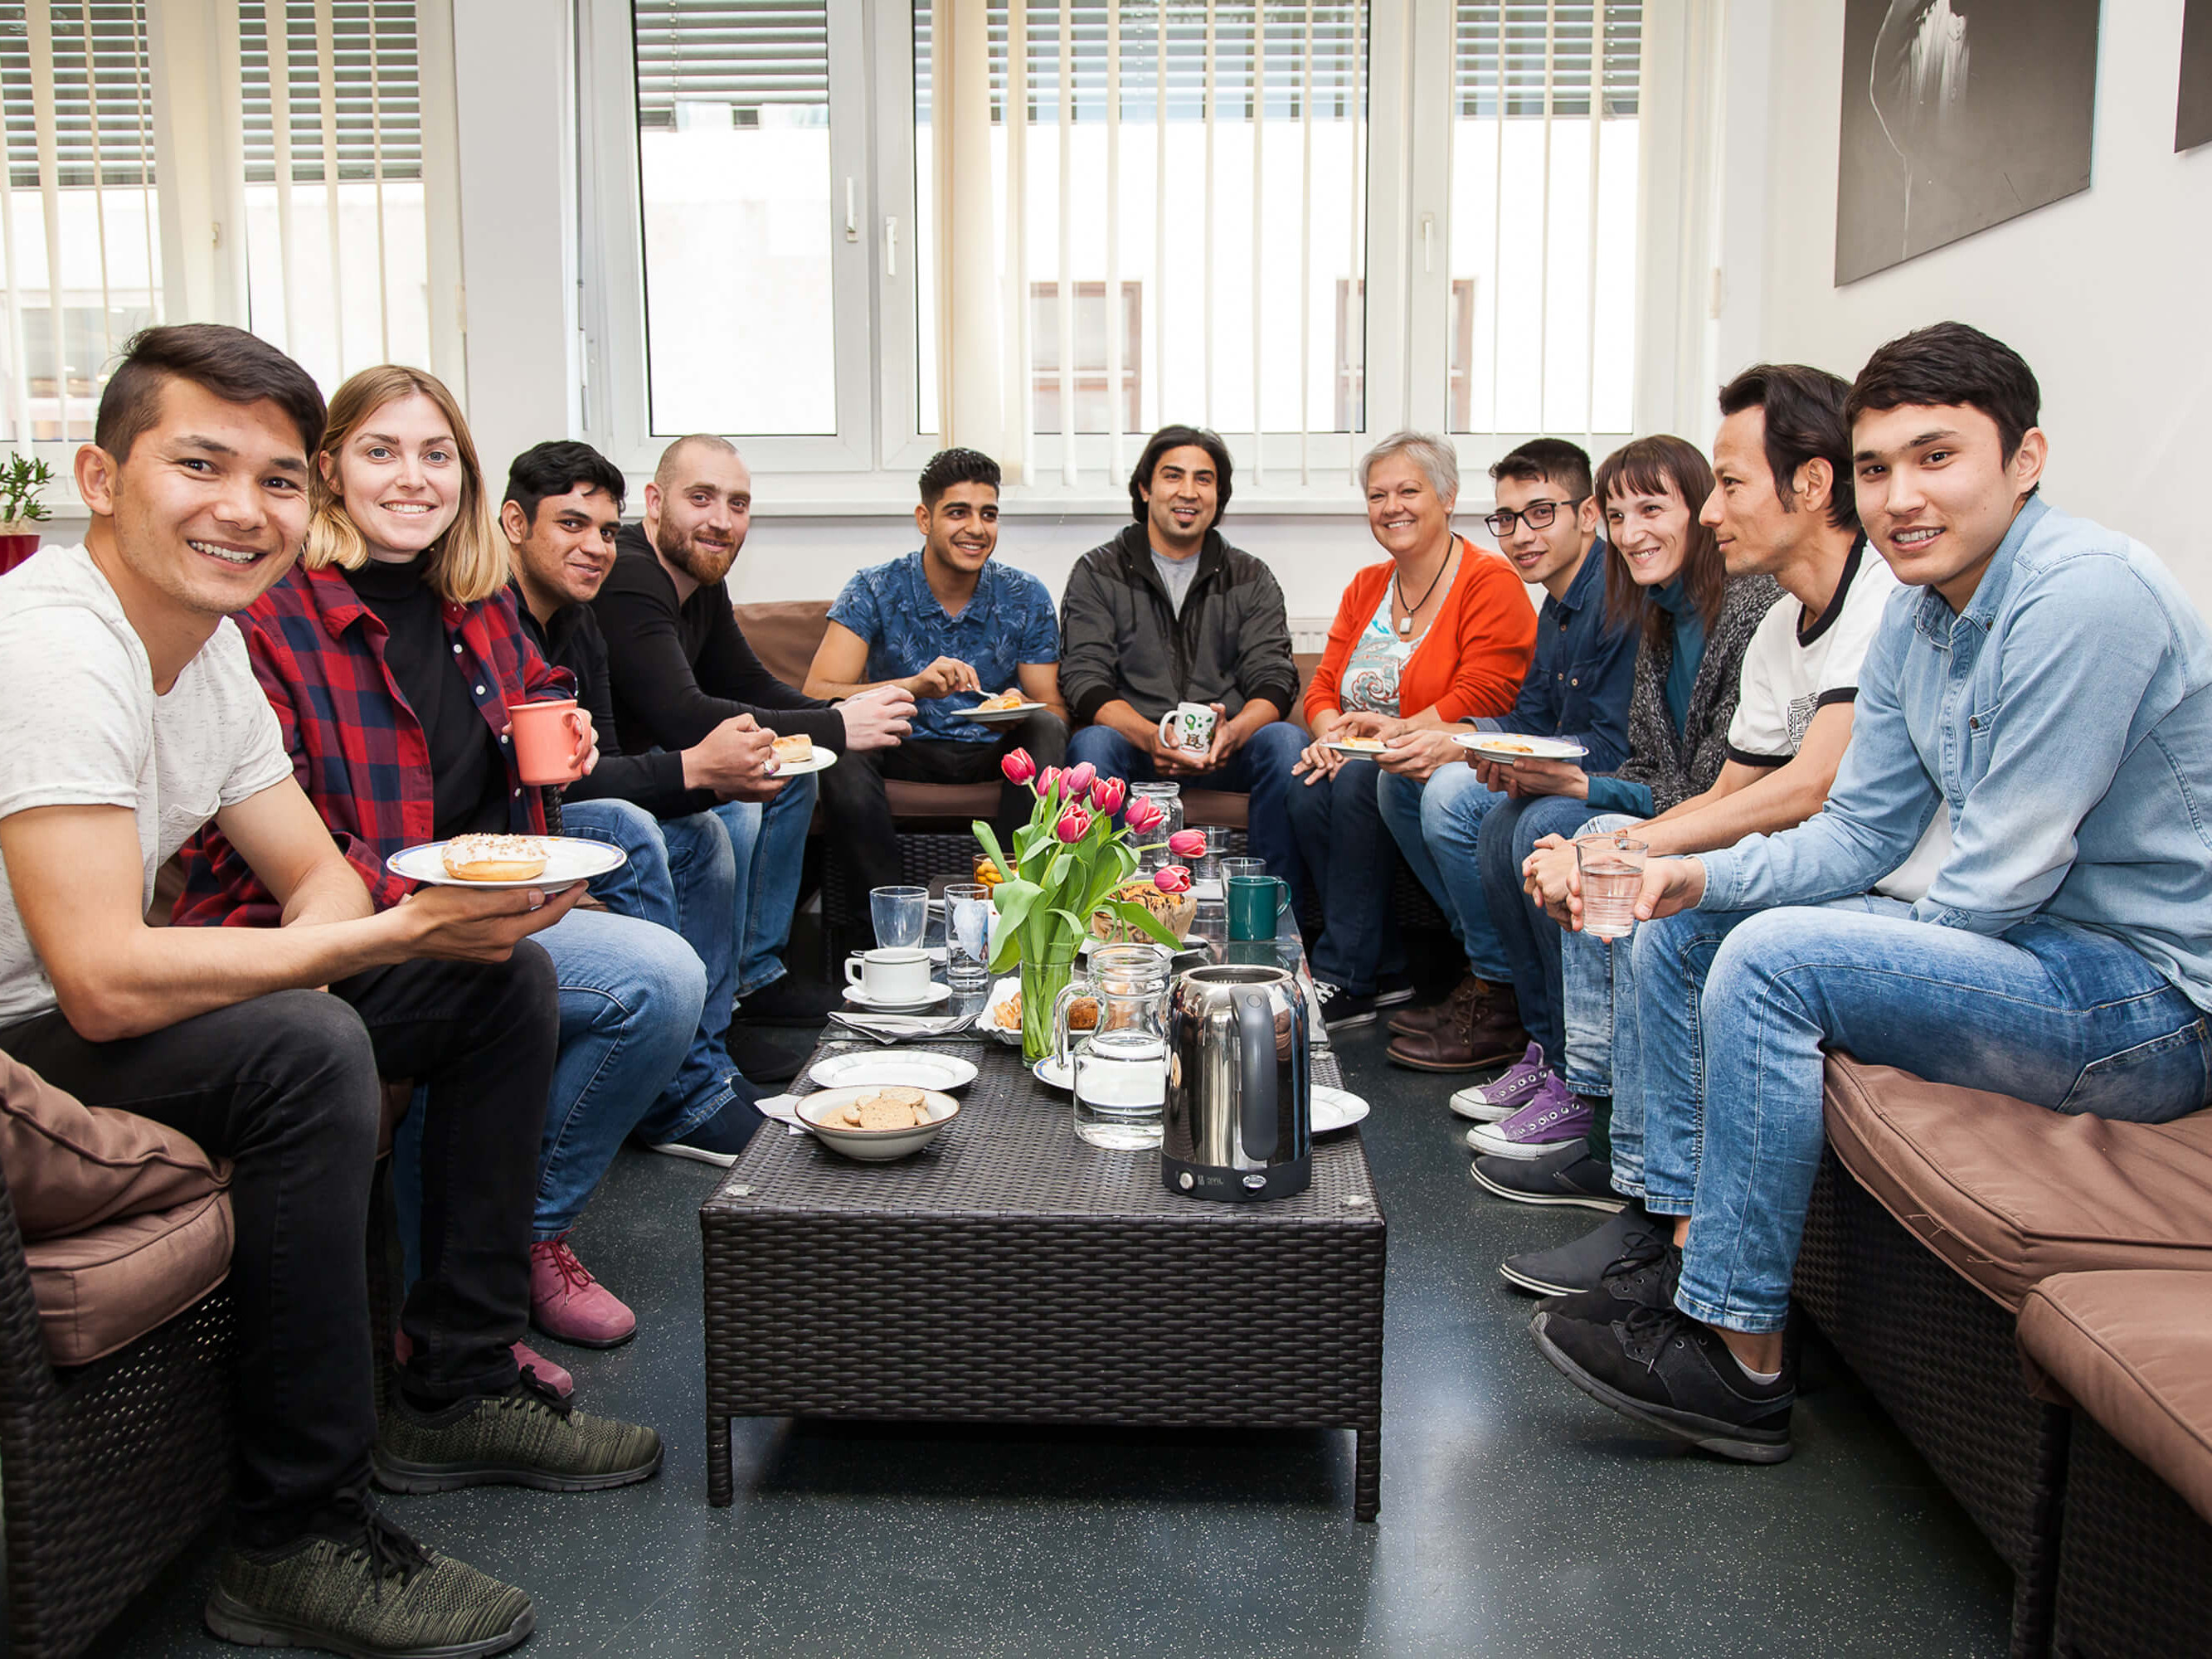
(1008, 1273)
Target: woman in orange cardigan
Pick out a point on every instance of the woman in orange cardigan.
(1439, 632)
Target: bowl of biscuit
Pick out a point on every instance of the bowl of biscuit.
(876, 1123)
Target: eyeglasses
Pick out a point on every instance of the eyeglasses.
(1537, 515)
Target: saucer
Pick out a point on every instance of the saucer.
(1335, 1108)
(1050, 1072)
(938, 993)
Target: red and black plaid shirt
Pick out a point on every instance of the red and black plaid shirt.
(357, 747)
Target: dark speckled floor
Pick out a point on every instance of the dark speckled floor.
(1517, 1517)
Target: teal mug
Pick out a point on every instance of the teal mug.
(1256, 905)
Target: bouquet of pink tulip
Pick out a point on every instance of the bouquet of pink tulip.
(1067, 862)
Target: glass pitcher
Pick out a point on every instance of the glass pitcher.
(1168, 797)
(1119, 1067)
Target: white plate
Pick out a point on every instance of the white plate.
(917, 1068)
(874, 1145)
(567, 861)
(1333, 1109)
(1000, 990)
(1001, 716)
(820, 761)
(1359, 751)
(1050, 1072)
(937, 994)
(1486, 744)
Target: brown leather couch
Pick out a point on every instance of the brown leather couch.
(786, 633)
(1950, 1229)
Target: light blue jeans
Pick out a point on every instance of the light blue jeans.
(1437, 826)
(681, 875)
(1737, 1007)
(768, 846)
(1598, 1013)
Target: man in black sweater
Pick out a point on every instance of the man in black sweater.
(563, 505)
(681, 668)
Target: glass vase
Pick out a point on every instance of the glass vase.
(1042, 981)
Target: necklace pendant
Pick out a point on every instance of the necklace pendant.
(1404, 625)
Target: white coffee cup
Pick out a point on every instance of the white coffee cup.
(890, 974)
(1188, 726)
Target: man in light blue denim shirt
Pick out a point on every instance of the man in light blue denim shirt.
(2044, 681)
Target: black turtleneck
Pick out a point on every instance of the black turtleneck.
(468, 773)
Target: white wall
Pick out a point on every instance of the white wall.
(2105, 293)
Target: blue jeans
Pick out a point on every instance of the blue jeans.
(1597, 1017)
(682, 875)
(768, 844)
(1438, 826)
(1530, 938)
(1737, 1009)
(1261, 769)
(1338, 826)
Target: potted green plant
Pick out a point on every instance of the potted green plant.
(21, 510)
(1067, 860)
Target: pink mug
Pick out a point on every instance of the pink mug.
(545, 735)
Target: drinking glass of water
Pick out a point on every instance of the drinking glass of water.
(1611, 868)
(968, 914)
(1207, 866)
(901, 915)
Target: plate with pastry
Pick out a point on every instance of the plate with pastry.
(797, 754)
(1511, 746)
(876, 1122)
(1002, 708)
(1356, 745)
(546, 862)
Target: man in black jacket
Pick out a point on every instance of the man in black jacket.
(680, 669)
(1169, 612)
(563, 506)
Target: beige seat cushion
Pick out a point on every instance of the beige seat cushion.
(2135, 1352)
(70, 1166)
(107, 1286)
(2009, 1193)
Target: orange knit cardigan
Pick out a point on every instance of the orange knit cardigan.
(1470, 662)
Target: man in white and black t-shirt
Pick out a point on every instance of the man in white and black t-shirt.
(1783, 505)
(129, 716)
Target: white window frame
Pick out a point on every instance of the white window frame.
(868, 467)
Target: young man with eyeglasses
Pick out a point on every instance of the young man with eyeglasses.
(2044, 684)
(1546, 526)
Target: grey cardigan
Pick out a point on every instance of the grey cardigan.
(1675, 766)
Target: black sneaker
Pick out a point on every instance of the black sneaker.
(1663, 1369)
(1567, 1175)
(1643, 1277)
(1391, 990)
(1340, 1010)
(719, 1138)
(790, 1000)
(375, 1595)
(527, 1436)
(1624, 1241)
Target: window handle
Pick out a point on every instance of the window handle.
(890, 247)
(1428, 242)
(851, 213)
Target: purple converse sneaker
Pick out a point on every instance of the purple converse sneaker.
(1503, 1096)
(1551, 1116)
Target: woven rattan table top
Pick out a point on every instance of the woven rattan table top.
(1012, 1150)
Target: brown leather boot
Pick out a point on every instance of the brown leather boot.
(1484, 1030)
(1418, 1022)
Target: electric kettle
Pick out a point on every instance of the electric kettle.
(1239, 1115)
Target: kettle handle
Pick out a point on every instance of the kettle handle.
(1258, 1125)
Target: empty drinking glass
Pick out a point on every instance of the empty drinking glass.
(1168, 797)
(901, 915)
(967, 917)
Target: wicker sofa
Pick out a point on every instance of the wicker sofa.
(1939, 1214)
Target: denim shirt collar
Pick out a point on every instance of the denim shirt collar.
(1579, 594)
(1935, 618)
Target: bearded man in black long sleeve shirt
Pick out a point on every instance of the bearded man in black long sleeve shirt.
(680, 668)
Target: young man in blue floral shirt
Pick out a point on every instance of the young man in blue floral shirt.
(952, 626)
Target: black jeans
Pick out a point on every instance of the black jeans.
(287, 1086)
(858, 813)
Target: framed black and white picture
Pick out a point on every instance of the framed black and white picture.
(2192, 119)
(1957, 115)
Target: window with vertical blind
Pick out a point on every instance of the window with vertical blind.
(80, 242)
(1543, 218)
(330, 115)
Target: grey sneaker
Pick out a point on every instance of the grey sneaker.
(1632, 1238)
(378, 1596)
(527, 1437)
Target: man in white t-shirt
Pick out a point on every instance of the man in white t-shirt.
(129, 716)
(1782, 505)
